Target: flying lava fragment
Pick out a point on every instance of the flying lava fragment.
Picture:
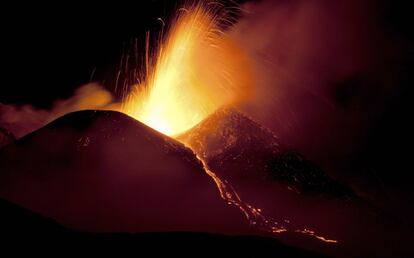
(197, 68)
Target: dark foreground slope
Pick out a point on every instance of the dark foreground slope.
(6, 137)
(35, 234)
(104, 171)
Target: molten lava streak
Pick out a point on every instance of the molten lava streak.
(197, 69)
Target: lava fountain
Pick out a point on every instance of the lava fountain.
(197, 70)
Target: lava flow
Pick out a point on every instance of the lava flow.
(198, 69)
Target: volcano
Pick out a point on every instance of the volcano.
(95, 176)
(242, 151)
(104, 171)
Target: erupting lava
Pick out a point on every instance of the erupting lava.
(197, 69)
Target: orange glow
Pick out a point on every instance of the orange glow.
(197, 70)
(312, 233)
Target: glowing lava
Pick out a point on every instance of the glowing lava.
(197, 70)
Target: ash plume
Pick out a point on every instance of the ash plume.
(325, 71)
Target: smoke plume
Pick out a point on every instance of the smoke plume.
(323, 71)
(329, 80)
(21, 120)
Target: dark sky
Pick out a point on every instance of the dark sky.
(49, 50)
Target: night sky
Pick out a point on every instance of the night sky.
(48, 50)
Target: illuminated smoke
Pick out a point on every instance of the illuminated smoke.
(21, 120)
(322, 72)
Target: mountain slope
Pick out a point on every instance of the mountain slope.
(104, 171)
(241, 150)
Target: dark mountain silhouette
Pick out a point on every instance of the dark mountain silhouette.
(100, 179)
(38, 235)
(104, 171)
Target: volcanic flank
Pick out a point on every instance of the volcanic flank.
(104, 171)
(246, 153)
(261, 170)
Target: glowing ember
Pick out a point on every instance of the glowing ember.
(197, 69)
